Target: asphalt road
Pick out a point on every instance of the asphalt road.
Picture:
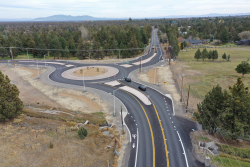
(158, 138)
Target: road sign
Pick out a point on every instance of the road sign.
(127, 62)
(164, 82)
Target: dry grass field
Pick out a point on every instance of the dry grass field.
(203, 75)
(52, 115)
(92, 71)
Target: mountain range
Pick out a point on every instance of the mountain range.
(90, 18)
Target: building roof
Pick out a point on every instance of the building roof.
(180, 39)
(194, 41)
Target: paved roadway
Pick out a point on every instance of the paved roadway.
(158, 138)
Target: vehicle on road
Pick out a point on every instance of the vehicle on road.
(153, 47)
(128, 79)
(142, 87)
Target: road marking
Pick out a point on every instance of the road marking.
(137, 147)
(170, 117)
(163, 134)
(133, 145)
(183, 149)
(172, 122)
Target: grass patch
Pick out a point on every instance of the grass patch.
(226, 162)
(239, 152)
(79, 117)
(215, 72)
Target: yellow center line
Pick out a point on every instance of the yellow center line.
(150, 127)
(162, 131)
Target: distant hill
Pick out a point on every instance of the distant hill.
(71, 18)
(207, 15)
(90, 18)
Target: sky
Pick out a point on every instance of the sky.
(13, 9)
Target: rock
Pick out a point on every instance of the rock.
(38, 103)
(54, 108)
(240, 140)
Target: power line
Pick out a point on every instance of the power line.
(90, 50)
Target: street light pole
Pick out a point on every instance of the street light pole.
(114, 100)
(37, 69)
(83, 80)
(45, 60)
(155, 75)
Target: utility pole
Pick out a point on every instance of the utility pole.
(182, 86)
(119, 53)
(141, 63)
(122, 121)
(89, 56)
(188, 99)
(12, 57)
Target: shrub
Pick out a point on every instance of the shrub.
(51, 145)
(97, 69)
(71, 123)
(17, 121)
(81, 71)
(82, 132)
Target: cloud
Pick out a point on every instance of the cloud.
(121, 8)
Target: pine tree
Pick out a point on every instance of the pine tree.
(237, 110)
(197, 54)
(215, 55)
(209, 55)
(211, 108)
(224, 56)
(55, 44)
(10, 104)
(204, 54)
(243, 68)
(224, 36)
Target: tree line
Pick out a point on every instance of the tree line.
(212, 54)
(223, 28)
(226, 111)
(81, 37)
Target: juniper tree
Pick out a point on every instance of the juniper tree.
(10, 104)
(243, 68)
(204, 54)
(236, 115)
(197, 54)
(224, 56)
(210, 109)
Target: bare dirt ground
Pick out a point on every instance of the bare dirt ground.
(152, 75)
(92, 71)
(51, 115)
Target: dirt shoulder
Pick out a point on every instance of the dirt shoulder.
(52, 115)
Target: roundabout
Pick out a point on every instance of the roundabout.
(90, 73)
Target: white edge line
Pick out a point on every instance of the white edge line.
(160, 93)
(96, 89)
(183, 149)
(137, 147)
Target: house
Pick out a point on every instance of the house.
(244, 42)
(205, 41)
(194, 41)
